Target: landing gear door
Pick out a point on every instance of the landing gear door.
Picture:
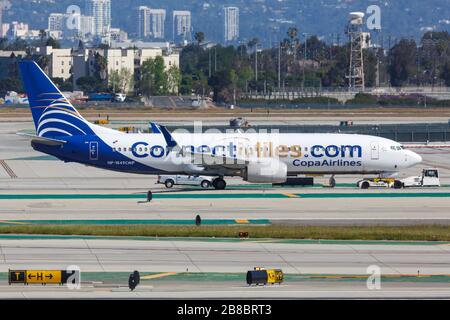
(93, 151)
(375, 150)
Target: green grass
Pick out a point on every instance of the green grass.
(401, 233)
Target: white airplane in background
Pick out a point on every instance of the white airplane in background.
(256, 157)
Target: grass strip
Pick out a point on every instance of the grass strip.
(392, 233)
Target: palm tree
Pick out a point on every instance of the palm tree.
(200, 37)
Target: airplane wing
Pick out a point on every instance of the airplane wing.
(42, 140)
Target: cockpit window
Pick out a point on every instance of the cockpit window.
(397, 148)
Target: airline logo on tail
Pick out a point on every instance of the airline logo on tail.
(53, 115)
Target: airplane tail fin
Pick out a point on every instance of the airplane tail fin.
(53, 115)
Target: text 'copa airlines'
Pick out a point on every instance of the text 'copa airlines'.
(267, 157)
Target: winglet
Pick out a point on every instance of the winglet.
(154, 128)
(171, 143)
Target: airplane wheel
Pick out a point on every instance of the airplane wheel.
(220, 184)
(169, 183)
(205, 184)
(365, 185)
(398, 184)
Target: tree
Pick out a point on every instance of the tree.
(101, 66)
(403, 65)
(121, 81)
(199, 37)
(294, 43)
(63, 85)
(445, 75)
(42, 36)
(3, 43)
(173, 79)
(43, 62)
(222, 84)
(88, 84)
(53, 43)
(253, 43)
(154, 77)
(187, 85)
(10, 84)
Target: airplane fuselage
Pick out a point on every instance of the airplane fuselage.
(302, 153)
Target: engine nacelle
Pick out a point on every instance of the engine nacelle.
(266, 171)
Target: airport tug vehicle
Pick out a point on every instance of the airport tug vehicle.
(429, 178)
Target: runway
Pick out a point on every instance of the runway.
(217, 268)
(38, 187)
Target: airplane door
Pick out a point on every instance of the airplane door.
(375, 151)
(93, 151)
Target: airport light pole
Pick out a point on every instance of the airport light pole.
(279, 66)
(304, 61)
(256, 62)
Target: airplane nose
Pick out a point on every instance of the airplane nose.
(414, 158)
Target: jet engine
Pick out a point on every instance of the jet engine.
(266, 171)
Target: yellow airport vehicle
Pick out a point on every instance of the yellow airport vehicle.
(261, 276)
(103, 121)
(376, 183)
(128, 129)
(275, 276)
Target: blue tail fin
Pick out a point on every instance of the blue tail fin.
(53, 115)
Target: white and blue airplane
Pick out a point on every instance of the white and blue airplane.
(62, 132)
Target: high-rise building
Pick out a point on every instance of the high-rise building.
(18, 29)
(56, 22)
(1, 15)
(144, 22)
(86, 26)
(181, 25)
(100, 10)
(157, 23)
(152, 22)
(231, 31)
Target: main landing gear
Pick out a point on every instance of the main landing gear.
(219, 184)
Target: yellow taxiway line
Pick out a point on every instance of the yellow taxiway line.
(157, 276)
